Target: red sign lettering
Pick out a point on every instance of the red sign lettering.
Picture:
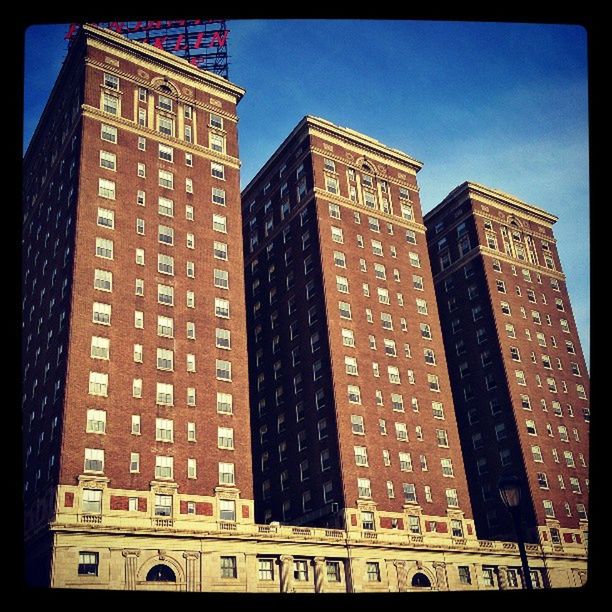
(179, 46)
(159, 42)
(218, 39)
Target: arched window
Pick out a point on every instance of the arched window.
(421, 581)
(166, 89)
(161, 573)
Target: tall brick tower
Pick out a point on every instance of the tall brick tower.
(519, 379)
(135, 394)
(352, 413)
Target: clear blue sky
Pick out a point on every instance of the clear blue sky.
(501, 104)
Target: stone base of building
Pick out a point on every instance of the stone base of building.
(273, 559)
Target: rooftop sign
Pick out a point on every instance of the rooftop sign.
(202, 42)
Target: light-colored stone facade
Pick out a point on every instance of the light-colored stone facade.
(282, 558)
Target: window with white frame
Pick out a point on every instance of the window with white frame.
(164, 394)
(164, 468)
(225, 437)
(224, 403)
(94, 460)
(226, 474)
(96, 421)
(100, 347)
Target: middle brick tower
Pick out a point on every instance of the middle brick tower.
(352, 414)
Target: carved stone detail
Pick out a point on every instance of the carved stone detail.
(441, 575)
(402, 576)
(286, 573)
(319, 574)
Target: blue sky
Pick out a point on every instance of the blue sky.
(501, 104)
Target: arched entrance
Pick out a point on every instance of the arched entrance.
(161, 573)
(421, 581)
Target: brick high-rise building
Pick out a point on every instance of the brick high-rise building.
(135, 393)
(520, 383)
(351, 408)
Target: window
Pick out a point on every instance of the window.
(108, 160)
(106, 189)
(224, 403)
(98, 383)
(447, 467)
(166, 179)
(442, 437)
(110, 103)
(108, 133)
(222, 308)
(224, 370)
(164, 430)
(229, 567)
(266, 569)
(164, 394)
(401, 432)
(218, 171)
(331, 184)
(96, 421)
(88, 562)
(549, 510)
(100, 347)
(363, 487)
(165, 294)
(354, 394)
(361, 455)
(226, 473)
(106, 218)
(536, 453)
(337, 235)
(94, 460)
(464, 574)
(225, 437)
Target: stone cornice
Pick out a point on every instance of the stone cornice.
(95, 113)
(344, 136)
(494, 197)
(141, 81)
(361, 142)
(348, 203)
(390, 179)
(161, 59)
(493, 254)
(296, 535)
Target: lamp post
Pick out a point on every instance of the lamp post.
(510, 493)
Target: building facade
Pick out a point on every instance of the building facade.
(518, 374)
(135, 394)
(136, 421)
(351, 405)
(253, 558)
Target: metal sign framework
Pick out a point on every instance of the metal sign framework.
(202, 42)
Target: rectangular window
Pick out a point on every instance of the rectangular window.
(98, 383)
(164, 394)
(223, 370)
(222, 308)
(165, 294)
(108, 133)
(110, 103)
(88, 562)
(106, 189)
(225, 437)
(96, 421)
(94, 460)
(108, 160)
(226, 473)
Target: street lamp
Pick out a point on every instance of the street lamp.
(510, 493)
